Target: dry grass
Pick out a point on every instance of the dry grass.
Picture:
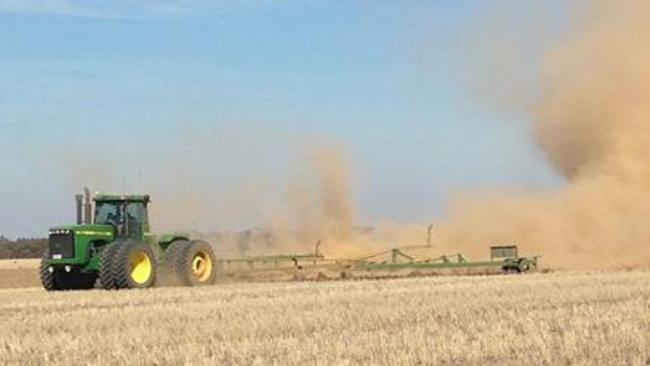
(559, 318)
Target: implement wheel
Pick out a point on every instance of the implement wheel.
(191, 263)
(134, 265)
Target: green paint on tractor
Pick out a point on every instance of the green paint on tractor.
(112, 242)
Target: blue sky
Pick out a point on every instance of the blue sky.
(213, 95)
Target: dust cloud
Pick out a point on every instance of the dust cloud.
(319, 196)
(315, 205)
(592, 120)
(591, 117)
(311, 202)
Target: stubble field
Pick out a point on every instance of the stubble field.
(556, 318)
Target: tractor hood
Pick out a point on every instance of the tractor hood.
(77, 244)
(96, 231)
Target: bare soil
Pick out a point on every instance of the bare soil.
(19, 273)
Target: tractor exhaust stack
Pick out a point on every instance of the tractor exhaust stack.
(88, 207)
(79, 198)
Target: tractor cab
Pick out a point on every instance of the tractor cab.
(127, 214)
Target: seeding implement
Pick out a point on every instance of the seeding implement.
(503, 259)
(115, 249)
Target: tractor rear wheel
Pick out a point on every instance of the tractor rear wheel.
(192, 263)
(106, 277)
(133, 265)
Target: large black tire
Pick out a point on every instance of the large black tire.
(58, 280)
(47, 277)
(106, 277)
(134, 265)
(190, 263)
(168, 276)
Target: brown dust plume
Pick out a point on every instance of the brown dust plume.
(592, 119)
(319, 196)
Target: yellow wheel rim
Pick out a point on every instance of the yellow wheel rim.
(140, 267)
(202, 266)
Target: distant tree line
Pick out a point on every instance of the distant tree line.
(22, 247)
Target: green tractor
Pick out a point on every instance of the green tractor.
(116, 247)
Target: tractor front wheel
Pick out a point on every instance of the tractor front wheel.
(106, 277)
(54, 279)
(47, 275)
(133, 265)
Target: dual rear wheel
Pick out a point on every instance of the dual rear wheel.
(127, 264)
(132, 264)
(190, 263)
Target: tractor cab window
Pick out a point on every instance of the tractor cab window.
(109, 213)
(128, 218)
(136, 216)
